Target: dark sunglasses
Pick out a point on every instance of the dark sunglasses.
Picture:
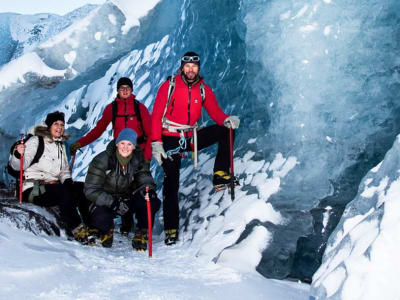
(191, 58)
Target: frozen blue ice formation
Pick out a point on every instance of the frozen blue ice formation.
(23, 33)
(366, 241)
(315, 84)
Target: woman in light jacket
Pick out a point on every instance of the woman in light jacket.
(48, 182)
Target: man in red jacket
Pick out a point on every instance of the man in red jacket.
(123, 114)
(176, 110)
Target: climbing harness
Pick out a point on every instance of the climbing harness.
(180, 128)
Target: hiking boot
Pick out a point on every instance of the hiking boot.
(124, 233)
(81, 234)
(171, 237)
(125, 230)
(222, 179)
(139, 241)
(94, 234)
(126, 224)
(107, 239)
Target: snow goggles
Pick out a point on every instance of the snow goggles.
(191, 59)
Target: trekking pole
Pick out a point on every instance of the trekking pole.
(147, 198)
(71, 166)
(21, 170)
(231, 158)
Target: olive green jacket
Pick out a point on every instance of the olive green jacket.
(106, 181)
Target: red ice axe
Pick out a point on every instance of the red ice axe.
(147, 198)
(231, 158)
(21, 170)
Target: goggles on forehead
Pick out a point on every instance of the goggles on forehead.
(191, 59)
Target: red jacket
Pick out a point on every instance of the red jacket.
(123, 107)
(184, 108)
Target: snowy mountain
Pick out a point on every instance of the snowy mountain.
(315, 84)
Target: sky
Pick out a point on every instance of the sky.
(44, 6)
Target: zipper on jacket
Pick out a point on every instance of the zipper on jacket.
(190, 91)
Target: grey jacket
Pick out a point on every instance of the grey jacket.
(106, 181)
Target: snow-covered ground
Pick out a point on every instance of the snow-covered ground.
(50, 267)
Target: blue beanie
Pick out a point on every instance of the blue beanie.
(127, 134)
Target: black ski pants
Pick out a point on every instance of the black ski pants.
(58, 195)
(81, 201)
(206, 137)
(102, 217)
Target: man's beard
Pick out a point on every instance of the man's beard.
(195, 79)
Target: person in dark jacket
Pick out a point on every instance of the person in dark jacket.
(48, 182)
(116, 183)
(124, 116)
(174, 127)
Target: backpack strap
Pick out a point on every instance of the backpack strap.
(114, 112)
(171, 89)
(202, 93)
(143, 138)
(39, 151)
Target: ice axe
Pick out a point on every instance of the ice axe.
(232, 183)
(147, 198)
(71, 166)
(21, 170)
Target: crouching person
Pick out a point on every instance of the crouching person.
(48, 182)
(116, 183)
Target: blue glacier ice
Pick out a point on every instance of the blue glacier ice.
(8, 45)
(315, 84)
(23, 33)
(362, 251)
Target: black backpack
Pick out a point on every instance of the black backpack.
(36, 158)
(141, 139)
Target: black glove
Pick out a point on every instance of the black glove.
(152, 193)
(68, 182)
(74, 147)
(119, 206)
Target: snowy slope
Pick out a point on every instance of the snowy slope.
(48, 267)
(315, 84)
